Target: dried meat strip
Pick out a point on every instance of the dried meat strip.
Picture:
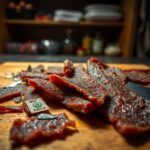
(68, 68)
(47, 87)
(25, 75)
(71, 99)
(138, 76)
(79, 104)
(25, 131)
(84, 84)
(55, 70)
(11, 109)
(8, 93)
(129, 112)
(110, 70)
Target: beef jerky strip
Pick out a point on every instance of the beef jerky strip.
(11, 109)
(55, 70)
(25, 75)
(126, 110)
(68, 68)
(47, 87)
(138, 77)
(25, 131)
(71, 99)
(8, 93)
(110, 70)
(83, 83)
(33, 102)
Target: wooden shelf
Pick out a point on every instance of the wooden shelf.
(54, 23)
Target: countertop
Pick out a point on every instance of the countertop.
(61, 58)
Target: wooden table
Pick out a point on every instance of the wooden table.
(93, 132)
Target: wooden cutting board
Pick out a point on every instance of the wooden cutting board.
(93, 132)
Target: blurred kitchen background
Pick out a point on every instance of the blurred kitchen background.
(119, 28)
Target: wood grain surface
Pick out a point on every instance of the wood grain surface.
(93, 132)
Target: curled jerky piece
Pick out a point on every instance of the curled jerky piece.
(83, 83)
(68, 68)
(126, 110)
(25, 131)
(71, 99)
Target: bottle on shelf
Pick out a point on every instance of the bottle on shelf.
(86, 43)
(97, 44)
(69, 44)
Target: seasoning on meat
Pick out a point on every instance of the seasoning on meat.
(7, 93)
(11, 109)
(138, 76)
(84, 84)
(71, 99)
(25, 131)
(47, 87)
(25, 75)
(78, 103)
(126, 110)
(68, 68)
(110, 70)
(55, 70)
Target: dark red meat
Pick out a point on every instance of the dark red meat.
(47, 87)
(30, 93)
(76, 102)
(55, 70)
(68, 68)
(138, 76)
(126, 110)
(11, 109)
(110, 70)
(84, 84)
(25, 75)
(71, 99)
(25, 131)
(8, 93)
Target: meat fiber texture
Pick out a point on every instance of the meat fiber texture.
(129, 112)
(83, 83)
(25, 131)
(71, 99)
(110, 70)
(8, 93)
